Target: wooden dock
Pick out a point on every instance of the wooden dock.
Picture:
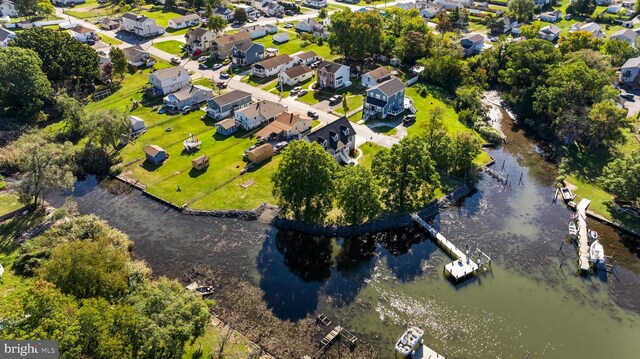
(463, 265)
(583, 235)
(425, 352)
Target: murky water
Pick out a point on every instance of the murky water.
(530, 301)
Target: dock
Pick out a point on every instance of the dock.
(463, 265)
(425, 352)
(338, 334)
(583, 235)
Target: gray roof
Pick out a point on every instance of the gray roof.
(275, 61)
(169, 72)
(306, 55)
(265, 109)
(229, 38)
(633, 62)
(189, 91)
(134, 53)
(625, 33)
(246, 45)
(475, 38)
(552, 29)
(254, 28)
(390, 87)
(230, 97)
(297, 71)
(327, 132)
(329, 66)
(184, 18)
(197, 31)
(135, 17)
(5, 34)
(222, 10)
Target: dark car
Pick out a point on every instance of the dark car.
(409, 118)
(202, 67)
(312, 114)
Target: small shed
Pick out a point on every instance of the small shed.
(281, 37)
(200, 163)
(260, 153)
(227, 126)
(155, 154)
(137, 125)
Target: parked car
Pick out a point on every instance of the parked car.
(408, 119)
(627, 96)
(224, 75)
(175, 61)
(280, 145)
(216, 66)
(203, 58)
(302, 93)
(288, 25)
(226, 61)
(162, 110)
(202, 67)
(186, 109)
(295, 90)
(312, 114)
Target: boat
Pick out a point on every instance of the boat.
(593, 235)
(596, 252)
(204, 291)
(573, 229)
(566, 194)
(410, 341)
(191, 143)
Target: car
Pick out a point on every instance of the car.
(224, 75)
(338, 97)
(202, 67)
(627, 96)
(295, 89)
(175, 61)
(280, 145)
(302, 93)
(312, 114)
(226, 61)
(288, 25)
(186, 109)
(409, 118)
(203, 58)
(216, 66)
(162, 110)
(280, 16)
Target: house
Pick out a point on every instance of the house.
(594, 29)
(200, 163)
(406, 5)
(337, 138)
(5, 36)
(271, 28)
(503, 25)
(260, 153)
(247, 53)
(253, 116)
(169, 80)
(614, 8)
(630, 70)
(541, 3)
(190, 95)
(8, 8)
(256, 31)
(285, 126)
(227, 127)
(224, 105)
(141, 25)
(198, 40)
(83, 34)
(603, 2)
(626, 35)
(67, 2)
(272, 65)
(225, 12)
(332, 75)
(281, 37)
(316, 4)
(376, 76)
(472, 44)
(448, 4)
(109, 24)
(305, 58)
(269, 7)
(323, 33)
(222, 45)
(137, 56)
(549, 33)
(551, 16)
(137, 125)
(386, 98)
(185, 21)
(432, 10)
(295, 75)
(308, 25)
(155, 154)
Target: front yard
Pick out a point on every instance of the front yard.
(295, 45)
(8, 202)
(173, 47)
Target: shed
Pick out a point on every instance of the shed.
(137, 124)
(260, 153)
(227, 126)
(200, 163)
(155, 154)
(281, 37)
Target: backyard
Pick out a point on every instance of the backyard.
(173, 47)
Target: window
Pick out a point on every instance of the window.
(378, 96)
(384, 97)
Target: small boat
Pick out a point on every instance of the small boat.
(204, 291)
(596, 252)
(573, 229)
(566, 194)
(191, 143)
(410, 341)
(593, 235)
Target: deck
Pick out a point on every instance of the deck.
(425, 352)
(583, 235)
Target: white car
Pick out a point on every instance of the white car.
(203, 58)
(216, 66)
(288, 25)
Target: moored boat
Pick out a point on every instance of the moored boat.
(596, 252)
(567, 195)
(573, 229)
(410, 341)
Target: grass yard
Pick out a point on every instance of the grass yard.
(8, 203)
(173, 47)
(369, 150)
(109, 40)
(295, 45)
(207, 345)
(353, 102)
(385, 130)
(161, 16)
(286, 89)
(354, 94)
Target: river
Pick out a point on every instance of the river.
(531, 301)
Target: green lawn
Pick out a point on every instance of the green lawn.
(354, 94)
(385, 130)
(295, 45)
(354, 101)
(8, 203)
(369, 150)
(109, 40)
(207, 345)
(173, 47)
(286, 89)
(161, 16)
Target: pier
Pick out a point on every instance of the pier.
(425, 352)
(338, 334)
(583, 235)
(463, 264)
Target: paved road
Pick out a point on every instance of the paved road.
(363, 133)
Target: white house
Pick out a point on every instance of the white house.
(169, 80)
(271, 28)
(83, 34)
(5, 36)
(306, 58)
(431, 10)
(141, 25)
(374, 77)
(315, 3)
(406, 5)
(184, 21)
(256, 114)
(225, 12)
(281, 37)
(594, 29)
(256, 31)
(472, 44)
(295, 75)
(7, 8)
(549, 33)
(626, 35)
(269, 7)
(332, 75)
(629, 71)
(190, 95)
(273, 65)
(614, 8)
(308, 25)
(137, 56)
(551, 16)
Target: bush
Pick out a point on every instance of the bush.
(422, 91)
(490, 134)
(468, 117)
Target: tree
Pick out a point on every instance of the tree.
(521, 9)
(169, 4)
(322, 14)
(606, 124)
(306, 38)
(444, 23)
(73, 115)
(407, 175)
(356, 35)
(578, 40)
(118, 61)
(530, 31)
(23, 88)
(208, 10)
(618, 52)
(464, 148)
(582, 7)
(357, 195)
(67, 62)
(444, 66)
(240, 15)
(305, 189)
(216, 23)
(345, 104)
(413, 46)
(45, 166)
(620, 177)
(45, 8)
(26, 7)
(111, 126)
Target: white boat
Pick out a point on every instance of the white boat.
(593, 235)
(566, 194)
(191, 143)
(596, 252)
(573, 229)
(410, 341)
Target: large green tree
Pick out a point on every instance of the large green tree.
(111, 127)
(521, 9)
(216, 23)
(618, 52)
(444, 66)
(67, 62)
(578, 40)
(621, 178)
(240, 15)
(357, 195)
(304, 188)
(73, 115)
(607, 123)
(118, 61)
(23, 88)
(356, 34)
(407, 175)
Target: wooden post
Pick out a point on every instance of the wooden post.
(503, 161)
(521, 174)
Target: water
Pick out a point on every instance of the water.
(530, 301)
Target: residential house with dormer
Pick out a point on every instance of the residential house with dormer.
(170, 79)
(384, 99)
(198, 40)
(222, 46)
(338, 138)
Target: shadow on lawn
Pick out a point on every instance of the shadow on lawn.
(194, 173)
(150, 166)
(587, 163)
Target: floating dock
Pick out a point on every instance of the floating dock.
(463, 265)
(583, 235)
(425, 352)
